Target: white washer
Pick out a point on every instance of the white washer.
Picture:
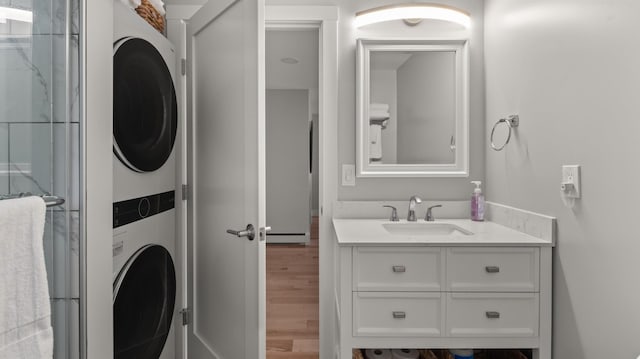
(145, 128)
(145, 118)
(144, 278)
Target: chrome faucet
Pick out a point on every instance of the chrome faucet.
(411, 216)
(429, 217)
(394, 213)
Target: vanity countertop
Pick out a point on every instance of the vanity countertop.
(371, 232)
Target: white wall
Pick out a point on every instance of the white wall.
(571, 70)
(97, 94)
(403, 188)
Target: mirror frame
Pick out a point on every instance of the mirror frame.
(460, 167)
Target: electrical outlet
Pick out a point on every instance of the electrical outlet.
(571, 175)
(348, 175)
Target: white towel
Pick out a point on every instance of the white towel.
(158, 5)
(375, 142)
(379, 106)
(405, 354)
(131, 3)
(377, 354)
(25, 312)
(378, 115)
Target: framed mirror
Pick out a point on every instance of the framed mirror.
(412, 108)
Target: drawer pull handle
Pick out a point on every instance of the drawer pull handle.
(493, 315)
(492, 269)
(399, 269)
(399, 315)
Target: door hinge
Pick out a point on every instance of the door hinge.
(183, 66)
(185, 192)
(186, 314)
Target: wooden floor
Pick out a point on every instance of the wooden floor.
(292, 299)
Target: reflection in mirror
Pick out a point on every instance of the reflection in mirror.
(412, 108)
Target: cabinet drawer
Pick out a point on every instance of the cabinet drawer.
(397, 314)
(492, 314)
(492, 269)
(397, 269)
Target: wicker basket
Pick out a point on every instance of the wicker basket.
(357, 354)
(151, 15)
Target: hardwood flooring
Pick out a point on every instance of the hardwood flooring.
(292, 299)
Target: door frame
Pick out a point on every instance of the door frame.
(325, 18)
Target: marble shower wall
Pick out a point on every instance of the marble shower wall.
(39, 141)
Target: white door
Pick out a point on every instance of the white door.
(226, 273)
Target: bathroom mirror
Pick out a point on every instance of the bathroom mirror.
(412, 108)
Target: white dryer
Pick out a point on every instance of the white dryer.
(145, 111)
(145, 123)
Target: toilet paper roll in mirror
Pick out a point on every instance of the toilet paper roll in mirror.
(405, 354)
(378, 354)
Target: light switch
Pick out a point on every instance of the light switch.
(348, 175)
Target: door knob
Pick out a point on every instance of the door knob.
(249, 232)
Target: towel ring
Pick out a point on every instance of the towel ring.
(511, 121)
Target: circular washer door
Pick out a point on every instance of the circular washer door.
(145, 113)
(144, 298)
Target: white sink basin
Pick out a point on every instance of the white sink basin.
(424, 229)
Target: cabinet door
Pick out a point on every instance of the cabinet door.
(397, 314)
(492, 269)
(397, 269)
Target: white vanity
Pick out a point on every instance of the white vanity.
(443, 284)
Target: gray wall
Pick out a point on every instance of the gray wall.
(570, 70)
(287, 176)
(427, 108)
(403, 188)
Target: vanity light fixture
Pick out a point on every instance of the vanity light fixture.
(9, 13)
(412, 12)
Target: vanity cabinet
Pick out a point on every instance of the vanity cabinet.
(443, 296)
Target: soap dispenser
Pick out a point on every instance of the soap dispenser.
(477, 203)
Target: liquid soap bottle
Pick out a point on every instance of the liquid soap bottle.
(477, 203)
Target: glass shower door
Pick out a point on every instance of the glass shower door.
(39, 139)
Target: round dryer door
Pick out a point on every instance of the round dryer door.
(145, 113)
(144, 298)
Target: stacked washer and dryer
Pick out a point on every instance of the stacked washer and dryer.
(145, 122)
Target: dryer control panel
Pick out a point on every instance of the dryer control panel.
(136, 209)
